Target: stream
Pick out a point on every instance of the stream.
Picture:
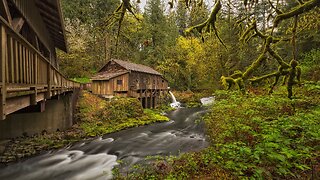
(95, 158)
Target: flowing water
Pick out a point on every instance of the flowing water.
(175, 103)
(95, 159)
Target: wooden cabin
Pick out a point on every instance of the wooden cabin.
(126, 79)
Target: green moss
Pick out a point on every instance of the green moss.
(98, 117)
(83, 80)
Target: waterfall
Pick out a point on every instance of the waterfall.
(175, 103)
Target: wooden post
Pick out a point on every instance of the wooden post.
(156, 98)
(16, 63)
(35, 69)
(11, 60)
(151, 98)
(145, 99)
(3, 55)
(48, 94)
(33, 97)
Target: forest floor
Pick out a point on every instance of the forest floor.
(94, 117)
(256, 136)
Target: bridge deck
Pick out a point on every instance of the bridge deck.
(26, 77)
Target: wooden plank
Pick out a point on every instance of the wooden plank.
(22, 63)
(27, 65)
(48, 94)
(31, 68)
(35, 68)
(11, 60)
(16, 63)
(6, 60)
(3, 54)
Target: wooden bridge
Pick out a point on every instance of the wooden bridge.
(27, 77)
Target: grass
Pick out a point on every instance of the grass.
(83, 80)
(256, 136)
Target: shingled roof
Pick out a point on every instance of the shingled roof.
(107, 75)
(135, 67)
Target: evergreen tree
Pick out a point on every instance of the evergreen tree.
(160, 33)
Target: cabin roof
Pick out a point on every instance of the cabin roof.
(135, 67)
(107, 75)
(50, 10)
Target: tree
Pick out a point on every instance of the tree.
(159, 35)
(290, 71)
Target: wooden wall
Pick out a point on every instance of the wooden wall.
(139, 80)
(109, 87)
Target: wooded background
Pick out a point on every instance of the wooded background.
(194, 62)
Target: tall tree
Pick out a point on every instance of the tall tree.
(159, 33)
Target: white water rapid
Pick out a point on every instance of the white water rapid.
(206, 101)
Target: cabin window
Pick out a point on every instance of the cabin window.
(119, 82)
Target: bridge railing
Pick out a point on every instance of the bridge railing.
(24, 68)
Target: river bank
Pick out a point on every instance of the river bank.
(96, 158)
(257, 136)
(94, 117)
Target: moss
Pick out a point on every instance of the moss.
(302, 8)
(209, 25)
(227, 82)
(98, 117)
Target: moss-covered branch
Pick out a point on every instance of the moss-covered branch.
(307, 6)
(261, 78)
(278, 11)
(210, 22)
(208, 25)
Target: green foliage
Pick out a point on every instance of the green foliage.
(265, 136)
(98, 116)
(311, 65)
(252, 137)
(83, 80)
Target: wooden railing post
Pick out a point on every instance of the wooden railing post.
(3, 56)
(48, 94)
(33, 97)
